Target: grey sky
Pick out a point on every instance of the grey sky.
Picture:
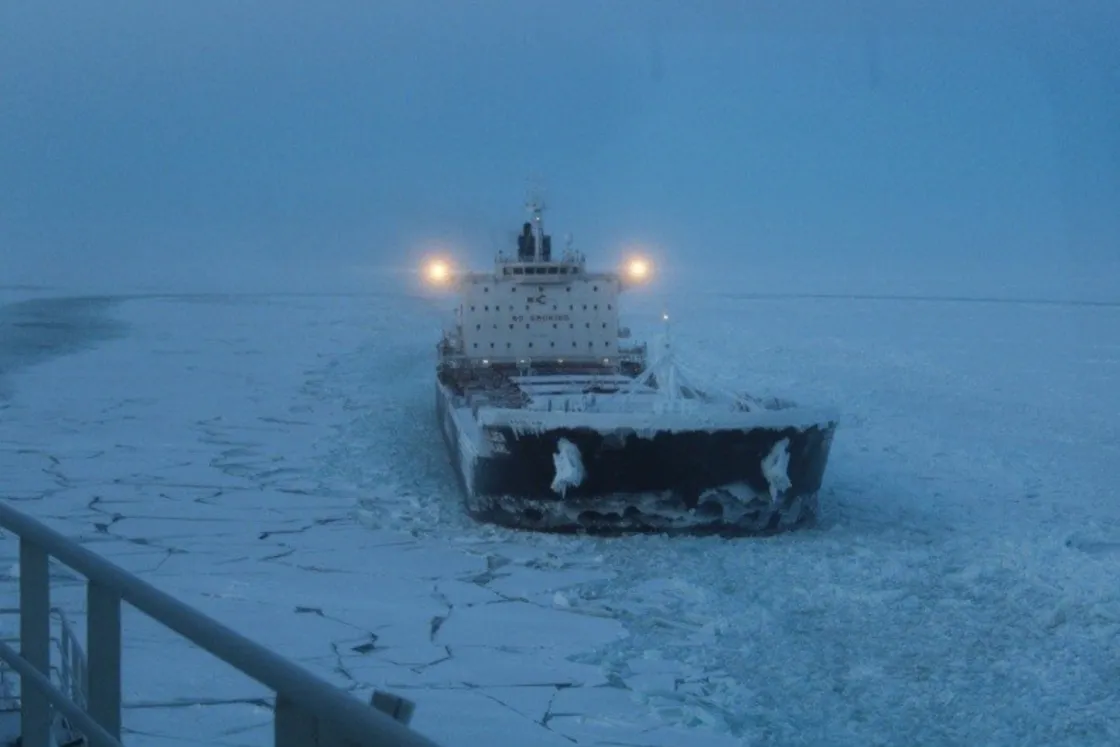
(145, 139)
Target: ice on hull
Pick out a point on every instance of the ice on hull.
(750, 480)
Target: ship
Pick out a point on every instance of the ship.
(556, 420)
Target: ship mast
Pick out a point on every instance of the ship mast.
(535, 206)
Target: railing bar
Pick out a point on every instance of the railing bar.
(79, 718)
(34, 639)
(65, 673)
(293, 727)
(353, 720)
(104, 641)
(76, 684)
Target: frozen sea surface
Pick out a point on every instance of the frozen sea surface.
(274, 460)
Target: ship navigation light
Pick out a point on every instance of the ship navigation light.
(638, 269)
(438, 272)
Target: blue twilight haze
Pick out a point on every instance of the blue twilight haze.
(932, 147)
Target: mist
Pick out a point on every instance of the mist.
(889, 148)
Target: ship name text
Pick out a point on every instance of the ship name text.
(541, 317)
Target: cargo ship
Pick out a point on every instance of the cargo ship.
(556, 421)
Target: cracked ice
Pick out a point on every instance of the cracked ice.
(242, 454)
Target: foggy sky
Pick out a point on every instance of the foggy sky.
(145, 142)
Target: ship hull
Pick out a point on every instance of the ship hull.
(750, 479)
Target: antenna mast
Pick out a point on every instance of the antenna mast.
(535, 205)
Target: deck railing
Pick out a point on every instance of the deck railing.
(308, 710)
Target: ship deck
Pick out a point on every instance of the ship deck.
(584, 389)
(579, 393)
(604, 399)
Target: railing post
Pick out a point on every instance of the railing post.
(398, 708)
(103, 670)
(34, 640)
(79, 686)
(65, 673)
(401, 709)
(293, 726)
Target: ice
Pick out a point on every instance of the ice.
(274, 460)
(569, 467)
(775, 468)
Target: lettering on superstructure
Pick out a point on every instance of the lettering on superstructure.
(518, 318)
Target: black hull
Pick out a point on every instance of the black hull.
(685, 481)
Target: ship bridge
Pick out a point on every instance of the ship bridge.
(568, 315)
(537, 308)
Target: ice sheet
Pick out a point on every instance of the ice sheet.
(276, 462)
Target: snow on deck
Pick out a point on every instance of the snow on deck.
(572, 400)
(639, 414)
(570, 385)
(275, 461)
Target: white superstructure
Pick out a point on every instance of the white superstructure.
(534, 309)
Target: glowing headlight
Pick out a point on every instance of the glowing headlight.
(638, 269)
(438, 272)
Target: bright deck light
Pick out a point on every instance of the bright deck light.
(438, 272)
(638, 269)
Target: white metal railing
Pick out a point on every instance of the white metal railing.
(308, 710)
(69, 671)
(68, 675)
